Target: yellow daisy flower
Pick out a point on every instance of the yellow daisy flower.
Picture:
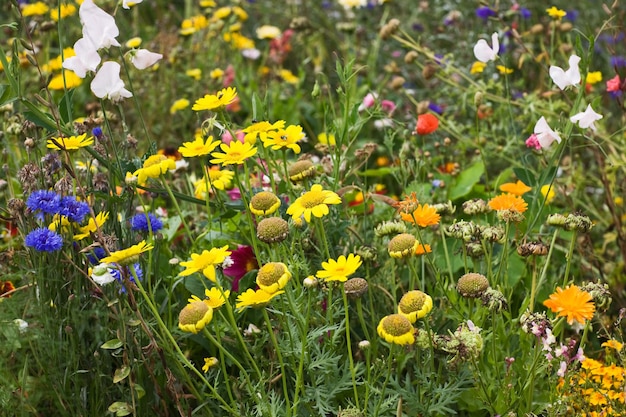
(205, 262)
(129, 255)
(71, 80)
(71, 143)
(273, 276)
(313, 202)
(548, 193)
(234, 154)
(402, 245)
(340, 269)
(198, 147)
(284, 138)
(260, 129)
(91, 226)
(216, 101)
(219, 179)
(396, 329)
(209, 363)
(194, 316)
(35, 9)
(256, 299)
(180, 104)
(477, 67)
(66, 11)
(154, 167)
(556, 14)
(415, 305)
(216, 298)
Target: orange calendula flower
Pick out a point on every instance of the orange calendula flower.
(516, 188)
(573, 303)
(508, 201)
(423, 216)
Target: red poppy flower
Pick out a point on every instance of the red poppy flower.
(426, 124)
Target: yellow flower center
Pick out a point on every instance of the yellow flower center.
(270, 273)
(397, 325)
(312, 199)
(193, 313)
(412, 301)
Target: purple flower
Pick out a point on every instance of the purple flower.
(485, 13)
(618, 61)
(48, 202)
(571, 15)
(97, 132)
(525, 13)
(435, 108)
(117, 273)
(139, 222)
(75, 211)
(44, 240)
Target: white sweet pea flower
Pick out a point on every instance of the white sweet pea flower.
(86, 58)
(483, 52)
(587, 118)
(545, 135)
(21, 325)
(566, 78)
(127, 4)
(142, 58)
(102, 274)
(98, 26)
(108, 84)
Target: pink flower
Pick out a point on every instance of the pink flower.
(388, 106)
(562, 369)
(243, 261)
(227, 138)
(533, 142)
(368, 101)
(613, 85)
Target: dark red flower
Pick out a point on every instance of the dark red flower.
(426, 124)
(5, 287)
(244, 261)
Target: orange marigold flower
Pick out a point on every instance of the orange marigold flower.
(516, 188)
(407, 205)
(508, 201)
(426, 123)
(423, 215)
(422, 249)
(573, 303)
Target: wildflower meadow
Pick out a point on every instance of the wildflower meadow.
(351, 208)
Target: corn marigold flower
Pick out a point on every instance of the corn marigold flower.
(44, 240)
(327, 139)
(129, 255)
(313, 202)
(272, 230)
(220, 179)
(572, 303)
(593, 77)
(215, 298)
(301, 169)
(422, 249)
(509, 202)
(355, 288)
(267, 32)
(396, 329)
(516, 188)
(154, 167)
(284, 138)
(477, 67)
(273, 276)
(504, 70)
(423, 216)
(613, 344)
(427, 123)
(340, 269)
(556, 14)
(92, 226)
(68, 79)
(195, 316)
(198, 147)
(205, 262)
(217, 101)
(402, 245)
(234, 153)
(264, 203)
(209, 363)
(255, 299)
(415, 305)
(547, 191)
(472, 285)
(260, 130)
(180, 104)
(71, 143)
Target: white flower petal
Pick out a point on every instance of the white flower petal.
(483, 52)
(86, 58)
(143, 58)
(98, 26)
(587, 118)
(563, 78)
(108, 84)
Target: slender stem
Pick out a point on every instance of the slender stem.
(382, 393)
(279, 355)
(346, 308)
(175, 202)
(570, 252)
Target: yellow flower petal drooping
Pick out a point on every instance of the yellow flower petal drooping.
(415, 305)
(92, 226)
(273, 276)
(194, 316)
(198, 147)
(216, 298)
(572, 303)
(256, 299)
(127, 256)
(235, 153)
(260, 129)
(154, 167)
(340, 269)
(71, 143)
(396, 329)
(314, 202)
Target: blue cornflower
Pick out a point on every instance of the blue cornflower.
(118, 275)
(525, 13)
(74, 210)
(44, 240)
(97, 132)
(48, 202)
(435, 108)
(618, 61)
(485, 13)
(139, 222)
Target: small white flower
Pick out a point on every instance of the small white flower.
(251, 53)
(483, 52)
(545, 135)
(102, 274)
(562, 369)
(228, 262)
(587, 118)
(86, 58)
(21, 325)
(548, 341)
(142, 58)
(562, 78)
(472, 327)
(98, 26)
(108, 84)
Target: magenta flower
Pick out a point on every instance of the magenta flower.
(243, 261)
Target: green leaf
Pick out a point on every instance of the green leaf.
(65, 107)
(121, 374)
(378, 172)
(140, 391)
(526, 176)
(120, 408)
(112, 344)
(466, 181)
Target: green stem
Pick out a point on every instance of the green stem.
(283, 371)
(346, 308)
(382, 392)
(570, 252)
(175, 202)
